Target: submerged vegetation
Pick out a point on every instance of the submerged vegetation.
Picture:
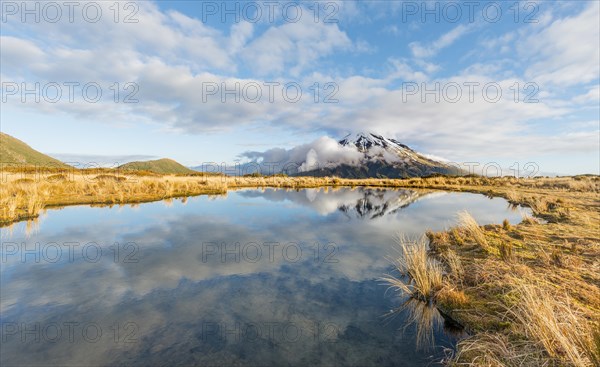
(527, 293)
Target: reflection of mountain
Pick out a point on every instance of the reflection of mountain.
(365, 203)
(376, 203)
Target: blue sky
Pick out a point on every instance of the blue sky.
(367, 56)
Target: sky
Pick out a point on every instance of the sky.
(211, 81)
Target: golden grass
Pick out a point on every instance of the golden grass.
(421, 276)
(473, 230)
(452, 297)
(455, 266)
(547, 332)
(25, 197)
(92, 186)
(494, 350)
(552, 321)
(533, 294)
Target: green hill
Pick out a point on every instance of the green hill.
(162, 166)
(14, 152)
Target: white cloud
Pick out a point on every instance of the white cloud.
(592, 96)
(565, 52)
(323, 152)
(241, 33)
(424, 51)
(391, 29)
(171, 55)
(405, 72)
(294, 46)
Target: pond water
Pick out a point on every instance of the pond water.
(256, 277)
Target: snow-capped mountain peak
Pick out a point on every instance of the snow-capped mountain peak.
(365, 141)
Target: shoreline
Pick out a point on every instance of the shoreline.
(496, 276)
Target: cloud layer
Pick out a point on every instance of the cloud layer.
(175, 61)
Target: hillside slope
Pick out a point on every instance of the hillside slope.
(15, 152)
(161, 166)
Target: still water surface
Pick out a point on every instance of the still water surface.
(256, 277)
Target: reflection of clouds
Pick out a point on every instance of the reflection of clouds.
(339, 323)
(173, 246)
(172, 288)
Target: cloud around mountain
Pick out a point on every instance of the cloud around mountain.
(319, 153)
(360, 156)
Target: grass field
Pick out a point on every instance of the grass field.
(528, 294)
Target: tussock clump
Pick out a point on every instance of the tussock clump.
(528, 220)
(424, 274)
(506, 251)
(512, 197)
(495, 350)
(473, 230)
(24, 181)
(455, 267)
(456, 237)
(56, 178)
(552, 323)
(452, 298)
(110, 178)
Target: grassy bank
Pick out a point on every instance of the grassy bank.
(529, 294)
(25, 193)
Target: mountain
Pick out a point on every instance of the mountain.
(383, 158)
(161, 166)
(15, 152)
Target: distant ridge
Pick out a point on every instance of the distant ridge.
(161, 166)
(15, 152)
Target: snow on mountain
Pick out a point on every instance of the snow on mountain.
(380, 157)
(355, 156)
(364, 142)
(377, 147)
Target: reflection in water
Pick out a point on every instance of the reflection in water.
(255, 278)
(423, 316)
(359, 202)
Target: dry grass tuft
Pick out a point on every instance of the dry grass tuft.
(452, 298)
(455, 267)
(506, 251)
(495, 350)
(424, 273)
(110, 178)
(456, 237)
(552, 322)
(473, 230)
